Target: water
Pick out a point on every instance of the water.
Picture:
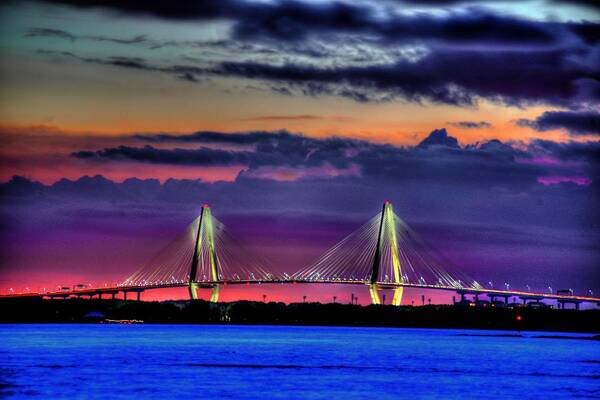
(258, 362)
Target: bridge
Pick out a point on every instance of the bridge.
(383, 254)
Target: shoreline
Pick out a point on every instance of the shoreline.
(518, 319)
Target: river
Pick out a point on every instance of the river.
(278, 362)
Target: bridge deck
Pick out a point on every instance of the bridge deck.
(382, 285)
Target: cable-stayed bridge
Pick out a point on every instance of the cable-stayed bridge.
(384, 253)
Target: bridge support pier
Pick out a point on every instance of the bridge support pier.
(373, 291)
(214, 293)
(205, 244)
(563, 302)
(493, 296)
(397, 299)
(193, 289)
(387, 233)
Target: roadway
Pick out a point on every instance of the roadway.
(112, 291)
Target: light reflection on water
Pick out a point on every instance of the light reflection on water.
(251, 362)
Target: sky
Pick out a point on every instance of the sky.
(295, 120)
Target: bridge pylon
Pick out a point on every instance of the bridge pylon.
(387, 235)
(204, 249)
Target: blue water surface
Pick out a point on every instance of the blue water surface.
(280, 362)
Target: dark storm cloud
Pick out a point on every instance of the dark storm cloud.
(299, 21)
(203, 156)
(471, 124)
(439, 157)
(445, 3)
(439, 137)
(293, 20)
(554, 76)
(576, 123)
(270, 149)
(516, 61)
(570, 151)
(444, 76)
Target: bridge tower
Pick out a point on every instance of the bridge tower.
(204, 247)
(387, 234)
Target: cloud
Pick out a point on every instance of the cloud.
(62, 34)
(48, 32)
(186, 73)
(295, 20)
(471, 124)
(353, 50)
(439, 137)
(284, 156)
(554, 180)
(441, 76)
(575, 123)
(149, 154)
(241, 138)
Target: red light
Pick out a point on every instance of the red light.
(205, 205)
(519, 318)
